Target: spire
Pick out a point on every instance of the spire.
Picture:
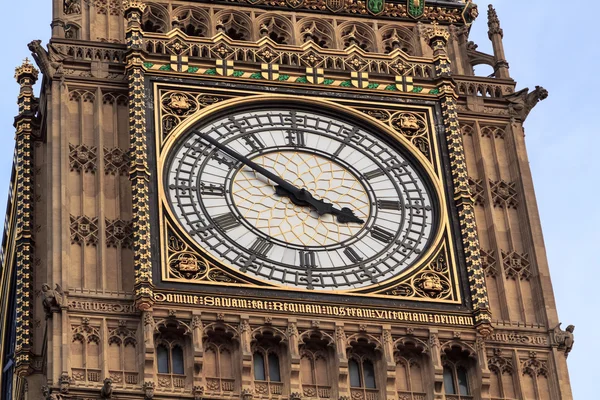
(496, 34)
(493, 23)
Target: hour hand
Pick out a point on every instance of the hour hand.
(304, 198)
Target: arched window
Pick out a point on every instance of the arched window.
(266, 368)
(319, 31)
(170, 342)
(170, 362)
(274, 372)
(315, 370)
(85, 346)
(456, 377)
(267, 363)
(277, 28)
(162, 356)
(259, 367)
(354, 370)
(219, 355)
(362, 373)
(362, 362)
(456, 380)
(449, 382)
(122, 365)
(410, 361)
(177, 360)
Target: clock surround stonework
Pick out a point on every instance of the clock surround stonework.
(104, 294)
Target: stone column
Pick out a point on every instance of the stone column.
(197, 343)
(294, 353)
(140, 173)
(247, 381)
(390, 364)
(342, 361)
(436, 365)
(496, 34)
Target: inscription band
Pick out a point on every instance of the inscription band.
(318, 309)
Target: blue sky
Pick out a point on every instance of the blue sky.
(547, 42)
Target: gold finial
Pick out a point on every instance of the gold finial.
(434, 32)
(26, 69)
(134, 5)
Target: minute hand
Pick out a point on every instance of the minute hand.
(261, 170)
(300, 197)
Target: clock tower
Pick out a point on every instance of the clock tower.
(255, 199)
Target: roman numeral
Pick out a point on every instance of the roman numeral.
(261, 247)
(222, 159)
(352, 254)
(182, 187)
(347, 139)
(379, 172)
(226, 221)
(381, 234)
(389, 205)
(211, 189)
(308, 259)
(253, 141)
(295, 138)
(373, 174)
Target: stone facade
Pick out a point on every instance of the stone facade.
(103, 297)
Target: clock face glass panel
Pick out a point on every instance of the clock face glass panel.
(239, 217)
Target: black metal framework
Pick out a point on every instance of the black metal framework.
(402, 213)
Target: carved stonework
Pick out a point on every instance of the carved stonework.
(533, 366)
(116, 161)
(564, 339)
(499, 364)
(72, 7)
(491, 131)
(107, 391)
(119, 233)
(522, 102)
(82, 157)
(488, 262)
(52, 300)
(504, 194)
(413, 126)
(516, 266)
(177, 106)
(198, 392)
(148, 389)
(493, 23)
(477, 192)
(64, 383)
(185, 263)
(84, 230)
(433, 281)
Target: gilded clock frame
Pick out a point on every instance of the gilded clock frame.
(439, 260)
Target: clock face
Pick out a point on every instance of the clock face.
(240, 217)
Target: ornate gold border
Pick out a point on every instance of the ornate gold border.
(433, 171)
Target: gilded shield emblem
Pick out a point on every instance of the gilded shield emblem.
(294, 3)
(335, 5)
(416, 8)
(375, 7)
